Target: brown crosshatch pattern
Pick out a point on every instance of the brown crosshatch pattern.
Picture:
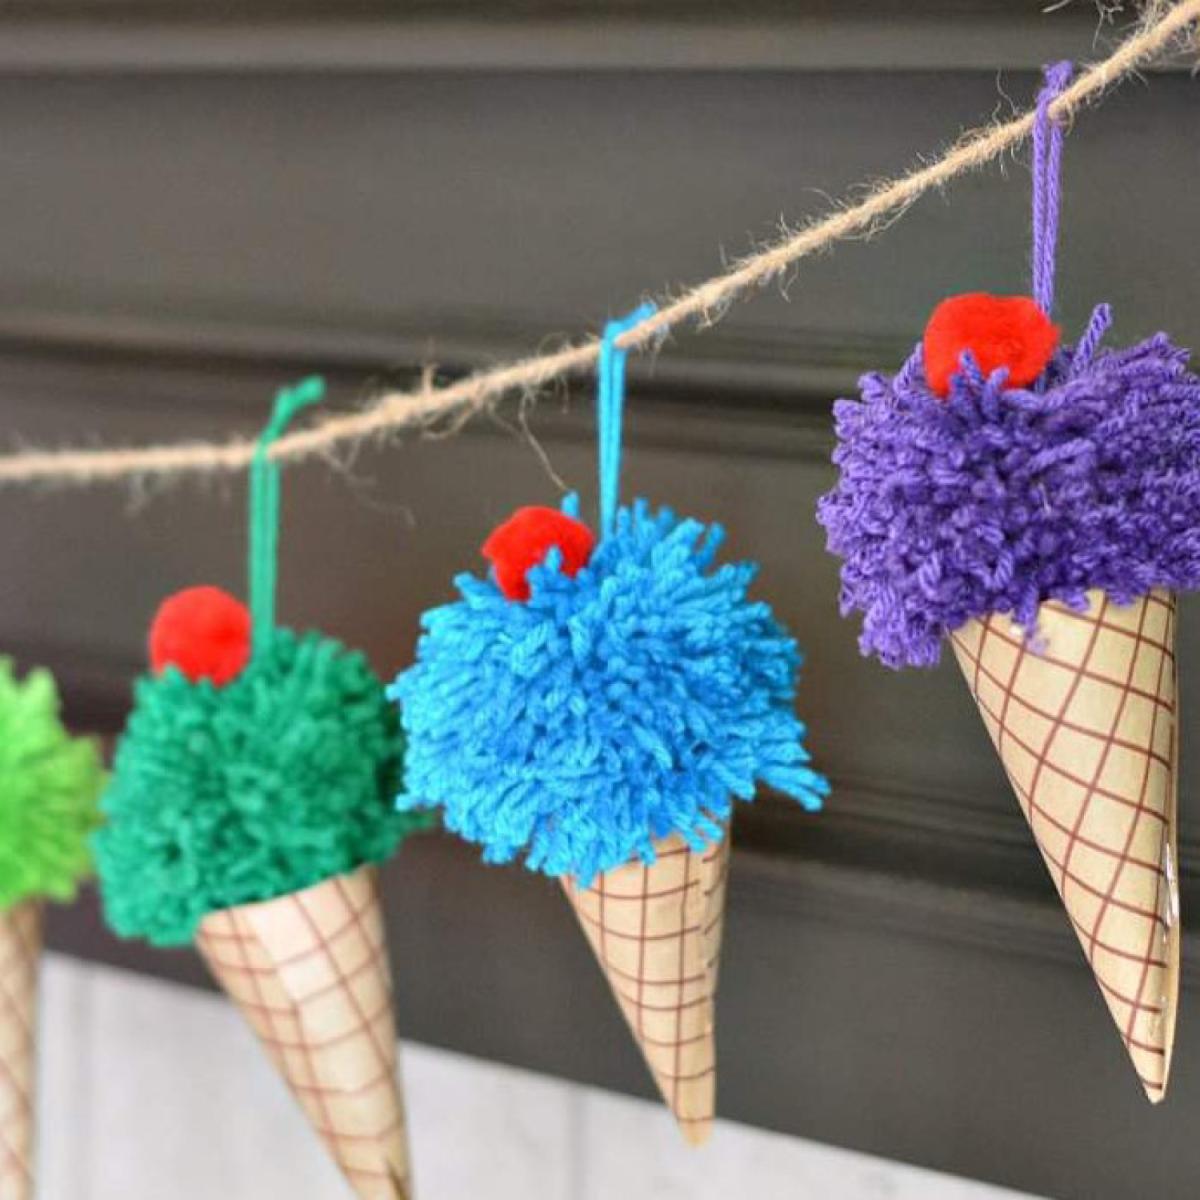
(1084, 720)
(20, 952)
(656, 931)
(309, 972)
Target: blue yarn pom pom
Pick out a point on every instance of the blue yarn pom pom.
(613, 708)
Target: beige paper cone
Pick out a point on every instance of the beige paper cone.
(1085, 724)
(309, 973)
(656, 932)
(20, 952)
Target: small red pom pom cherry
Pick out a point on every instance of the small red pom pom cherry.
(1000, 331)
(524, 540)
(204, 631)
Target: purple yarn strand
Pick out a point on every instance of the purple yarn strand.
(1047, 165)
(1093, 335)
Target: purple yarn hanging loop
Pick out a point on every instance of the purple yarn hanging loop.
(1047, 162)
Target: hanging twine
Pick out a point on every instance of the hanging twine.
(1163, 29)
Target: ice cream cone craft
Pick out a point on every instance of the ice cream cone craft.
(595, 706)
(20, 952)
(655, 928)
(251, 797)
(1086, 730)
(1039, 506)
(49, 786)
(309, 973)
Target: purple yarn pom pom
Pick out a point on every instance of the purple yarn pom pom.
(995, 499)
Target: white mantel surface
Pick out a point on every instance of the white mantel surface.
(149, 1090)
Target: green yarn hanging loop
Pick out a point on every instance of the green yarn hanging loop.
(264, 506)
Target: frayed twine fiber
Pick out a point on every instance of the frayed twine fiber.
(1160, 31)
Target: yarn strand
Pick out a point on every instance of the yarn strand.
(1165, 28)
(264, 507)
(610, 407)
(1047, 171)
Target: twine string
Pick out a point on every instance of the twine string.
(610, 407)
(264, 507)
(1164, 28)
(1047, 170)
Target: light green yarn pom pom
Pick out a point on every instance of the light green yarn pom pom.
(50, 784)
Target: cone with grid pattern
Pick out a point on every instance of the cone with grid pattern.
(20, 950)
(309, 973)
(656, 932)
(1084, 719)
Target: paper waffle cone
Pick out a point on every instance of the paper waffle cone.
(656, 932)
(20, 950)
(309, 973)
(1084, 722)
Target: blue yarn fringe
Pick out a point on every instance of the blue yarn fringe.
(630, 702)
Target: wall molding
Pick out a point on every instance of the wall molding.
(761, 369)
(551, 35)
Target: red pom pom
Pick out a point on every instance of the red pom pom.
(203, 631)
(1000, 331)
(525, 539)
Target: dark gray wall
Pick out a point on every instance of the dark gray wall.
(195, 208)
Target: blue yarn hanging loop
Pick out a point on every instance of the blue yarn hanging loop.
(610, 403)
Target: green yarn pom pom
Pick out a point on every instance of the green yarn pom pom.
(226, 795)
(49, 786)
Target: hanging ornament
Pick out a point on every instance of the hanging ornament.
(250, 802)
(49, 786)
(595, 706)
(1039, 505)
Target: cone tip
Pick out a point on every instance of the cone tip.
(696, 1130)
(398, 1178)
(1156, 1089)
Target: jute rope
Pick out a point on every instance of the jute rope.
(1164, 27)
